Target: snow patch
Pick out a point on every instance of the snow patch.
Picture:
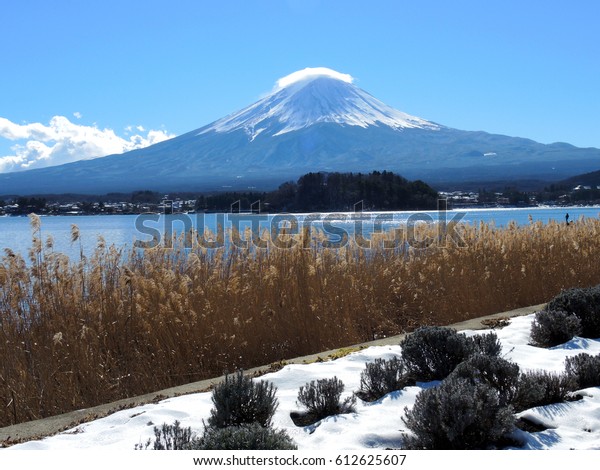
(378, 425)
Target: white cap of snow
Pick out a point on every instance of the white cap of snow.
(312, 96)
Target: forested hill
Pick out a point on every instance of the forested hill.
(330, 192)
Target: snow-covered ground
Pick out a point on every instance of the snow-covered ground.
(572, 425)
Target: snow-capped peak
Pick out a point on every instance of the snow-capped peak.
(313, 96)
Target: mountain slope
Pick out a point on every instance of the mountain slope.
(591, 179)
(313, 120)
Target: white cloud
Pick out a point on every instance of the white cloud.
(77, 114)
(61, 141)
(311, 72)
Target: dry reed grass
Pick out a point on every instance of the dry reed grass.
(74, 334)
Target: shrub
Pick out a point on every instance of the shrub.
(381, 377)
(553, 327)
(487, 344)
(321, 398)
(457, 414)
(240, 400)
(244, 437)
(171, 437)
(432, 352)
(585, 304)
(498, 373)
(584, 370)
(540, 388)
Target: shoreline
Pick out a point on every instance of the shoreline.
(412, 211)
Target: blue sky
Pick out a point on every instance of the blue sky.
(126, 73)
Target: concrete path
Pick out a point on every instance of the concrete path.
(49, 426)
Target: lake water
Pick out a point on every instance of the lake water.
(124, 230)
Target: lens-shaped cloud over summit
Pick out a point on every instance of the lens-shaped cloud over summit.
(312, 72)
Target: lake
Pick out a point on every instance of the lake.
(124, 230)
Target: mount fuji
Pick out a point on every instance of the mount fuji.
(315, 119)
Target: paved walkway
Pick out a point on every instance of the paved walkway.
(55, 424)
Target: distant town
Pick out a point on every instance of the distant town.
(108, 204)
(152, 202)
(553, 195)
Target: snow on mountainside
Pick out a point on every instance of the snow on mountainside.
(311, 96)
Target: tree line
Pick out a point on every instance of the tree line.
(317, 192)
